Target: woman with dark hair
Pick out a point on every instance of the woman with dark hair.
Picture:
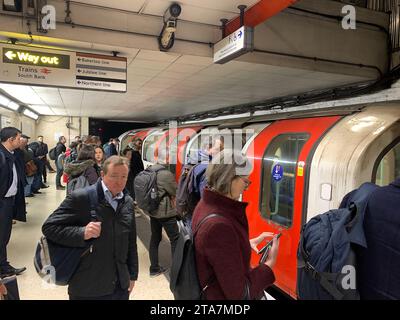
(83, 165)
(99, 157)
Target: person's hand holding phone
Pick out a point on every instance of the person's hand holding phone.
(256, 241)
(273, 253)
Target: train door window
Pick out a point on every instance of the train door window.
(149, 147)
(389, 166)
(279, 177)
(233, 139)
(125, 141)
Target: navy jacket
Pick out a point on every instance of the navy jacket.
(7, 160)
(379, 264)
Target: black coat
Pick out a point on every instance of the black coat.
(60, 148)
(378, 273)
(6, 176)
(114, 257)
(39, 149)
(136, 166)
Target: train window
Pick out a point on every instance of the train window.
(125, 141)
(233, 139)
(279, 177)
(389, 167)
(149, 147)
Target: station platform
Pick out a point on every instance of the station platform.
(25, 236)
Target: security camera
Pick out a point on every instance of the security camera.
(175, 10)
(167, 36)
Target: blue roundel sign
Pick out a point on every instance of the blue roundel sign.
(277, 173)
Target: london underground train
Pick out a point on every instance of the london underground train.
(302, 166)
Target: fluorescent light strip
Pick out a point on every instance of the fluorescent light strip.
(4, 101)
(31, 114)
(13, 106)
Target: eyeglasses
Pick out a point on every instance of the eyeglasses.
(246, 181)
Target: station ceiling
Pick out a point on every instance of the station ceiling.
(162, 85)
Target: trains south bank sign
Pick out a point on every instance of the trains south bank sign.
(54, 68)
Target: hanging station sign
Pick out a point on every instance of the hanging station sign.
(53, 68)
(234, 45)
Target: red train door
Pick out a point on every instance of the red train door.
(282, 153)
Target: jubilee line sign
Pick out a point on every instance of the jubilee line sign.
(54, 68)
(234, 45)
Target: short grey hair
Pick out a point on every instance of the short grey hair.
(224, 168)
(116, 161)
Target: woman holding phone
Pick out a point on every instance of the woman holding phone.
(222, 243)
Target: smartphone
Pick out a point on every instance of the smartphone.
(265, 250)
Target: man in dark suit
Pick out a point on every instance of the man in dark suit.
(12, 201)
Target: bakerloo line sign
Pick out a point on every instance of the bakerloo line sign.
(62, 69)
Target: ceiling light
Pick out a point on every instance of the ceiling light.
(4, 101)
(13, 106)
(23, 93)
(31, 114)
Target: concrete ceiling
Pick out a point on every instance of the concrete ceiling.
(163, 85)
(202, 11)
(168, 84)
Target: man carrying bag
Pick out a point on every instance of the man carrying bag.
(108, 268)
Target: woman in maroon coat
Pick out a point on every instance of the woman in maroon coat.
(222, 243)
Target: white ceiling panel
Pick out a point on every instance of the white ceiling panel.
(129, 5)
(157, 56)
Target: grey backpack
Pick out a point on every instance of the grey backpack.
(77, 183)
(146, 190)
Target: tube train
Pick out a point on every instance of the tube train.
(303, 165)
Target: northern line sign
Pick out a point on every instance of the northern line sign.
(54, 68)
(234, 45)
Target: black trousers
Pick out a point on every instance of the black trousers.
(171, 228)
(6, 217)
(44, 170)
(59, 174)
(119, 294)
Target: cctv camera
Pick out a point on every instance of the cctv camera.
(175, 10)
(167, 36)
(171, 26)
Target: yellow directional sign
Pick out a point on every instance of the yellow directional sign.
(36, 58)
(10, 55)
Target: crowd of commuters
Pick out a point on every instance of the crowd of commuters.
(218, 178)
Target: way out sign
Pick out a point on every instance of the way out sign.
(234, 45)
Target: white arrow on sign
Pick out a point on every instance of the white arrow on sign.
(10, 55)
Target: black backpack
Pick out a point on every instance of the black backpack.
(52, 154)
(186, 198)
(326, 255)
(55, 263)
(184, 282)
(146, 190)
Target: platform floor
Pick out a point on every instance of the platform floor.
(24, 240)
